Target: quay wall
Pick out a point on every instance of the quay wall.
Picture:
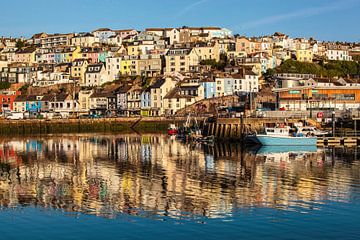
(118, 125)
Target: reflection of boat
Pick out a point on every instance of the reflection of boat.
(281, 136)
(285, 153)
(209, 139)
(172, 130)
(288, 149)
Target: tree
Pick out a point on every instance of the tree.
(20, 44)
(330, 69)
(4, 85)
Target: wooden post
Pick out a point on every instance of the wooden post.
(242, 128)
(333, 123)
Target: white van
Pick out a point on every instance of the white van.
(15, 116)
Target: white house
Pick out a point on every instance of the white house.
(338, 53)
(95, 75)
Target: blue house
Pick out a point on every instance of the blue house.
(209, 88)
(229, 86)
(33, 104)
(58, 57)
(145, 102)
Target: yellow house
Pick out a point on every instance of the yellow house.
(129, 66)
(133, 50)
(84, 100)
(76, 54)
(78, 69)
(304, 55)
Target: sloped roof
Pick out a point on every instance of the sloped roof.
(158, 83)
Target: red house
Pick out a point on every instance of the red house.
(7, 100)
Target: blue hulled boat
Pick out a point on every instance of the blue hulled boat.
(281, 136)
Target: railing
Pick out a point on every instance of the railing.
(344, 133)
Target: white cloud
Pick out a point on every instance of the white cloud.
(189, 7)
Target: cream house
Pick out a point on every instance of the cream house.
(182, 96)
(207, 50)
(158, 91)
(181, 60)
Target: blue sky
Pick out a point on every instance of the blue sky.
(322, 19)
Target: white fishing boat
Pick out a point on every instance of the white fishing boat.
(282, 136)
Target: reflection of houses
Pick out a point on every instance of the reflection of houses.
(105, 175)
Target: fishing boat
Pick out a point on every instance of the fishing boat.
(191, 132)
(283, 136)
(172, 130)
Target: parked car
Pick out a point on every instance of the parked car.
(15, 116)
(56, 116)
(94, 116)
(84, 116)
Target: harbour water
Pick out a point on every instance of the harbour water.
(155, 187)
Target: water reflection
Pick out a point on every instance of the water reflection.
(154, 175)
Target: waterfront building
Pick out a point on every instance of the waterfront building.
(146, 103)
(134, 100)
(320, 94)
(84, 101)
(103, 103)
(20, 104)
(181, 96)
(158, 91)
(121, 98)
(7, 99)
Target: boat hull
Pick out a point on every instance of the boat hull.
(172, 132)
(267, 140)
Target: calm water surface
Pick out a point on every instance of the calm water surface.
(155, 187)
